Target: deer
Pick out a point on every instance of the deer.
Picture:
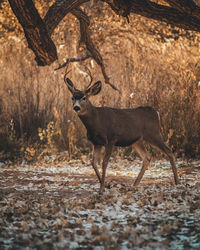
(108, 127)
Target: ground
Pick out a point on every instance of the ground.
(54, 204)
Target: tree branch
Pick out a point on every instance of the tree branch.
(74, 59)
(182, 13)
(58, 11)
(35, 31)
(86, 39)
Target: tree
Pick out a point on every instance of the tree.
(38, 31)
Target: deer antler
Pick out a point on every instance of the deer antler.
(91, 78)
(66, 72)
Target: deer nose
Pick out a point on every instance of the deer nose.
(76, 108)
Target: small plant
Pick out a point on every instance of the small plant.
(48, 134)
(30, 153)
(11, 131)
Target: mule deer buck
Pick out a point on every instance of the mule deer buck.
(108, 127)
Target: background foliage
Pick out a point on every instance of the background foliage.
(150, 62)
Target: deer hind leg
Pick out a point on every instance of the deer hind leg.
(96, 160)
(140, 149)
(107, 154)
(159, 143)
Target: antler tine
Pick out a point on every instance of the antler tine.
(90, 75)
(66, 72)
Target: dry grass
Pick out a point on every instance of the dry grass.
(148, 72)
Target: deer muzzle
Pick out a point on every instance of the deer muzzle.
(77, 108)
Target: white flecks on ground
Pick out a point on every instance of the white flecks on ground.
(56, 205)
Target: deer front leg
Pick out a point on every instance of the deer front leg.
(108, 151)
(96, 159)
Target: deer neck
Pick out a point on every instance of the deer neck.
(89, 117)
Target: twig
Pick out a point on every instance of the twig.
(113, 86)
(107, 79)
(73, 59)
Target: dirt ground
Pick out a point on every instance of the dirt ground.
(56, 205)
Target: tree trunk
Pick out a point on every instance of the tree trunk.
(35, 31)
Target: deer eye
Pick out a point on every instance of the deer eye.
(73, 99)
(84, 98)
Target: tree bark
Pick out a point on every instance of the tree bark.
(58, 11)
(181, 13)
(35, 31)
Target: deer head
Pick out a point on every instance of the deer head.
(80, 99)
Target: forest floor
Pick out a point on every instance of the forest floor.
(54, 204)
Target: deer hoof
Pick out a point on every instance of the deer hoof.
(101, 190)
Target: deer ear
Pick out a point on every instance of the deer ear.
(70, 85)
(94, 89)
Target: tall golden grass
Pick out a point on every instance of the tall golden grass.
(148, 72)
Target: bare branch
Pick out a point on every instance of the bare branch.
(86, 39)
(74, 59)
